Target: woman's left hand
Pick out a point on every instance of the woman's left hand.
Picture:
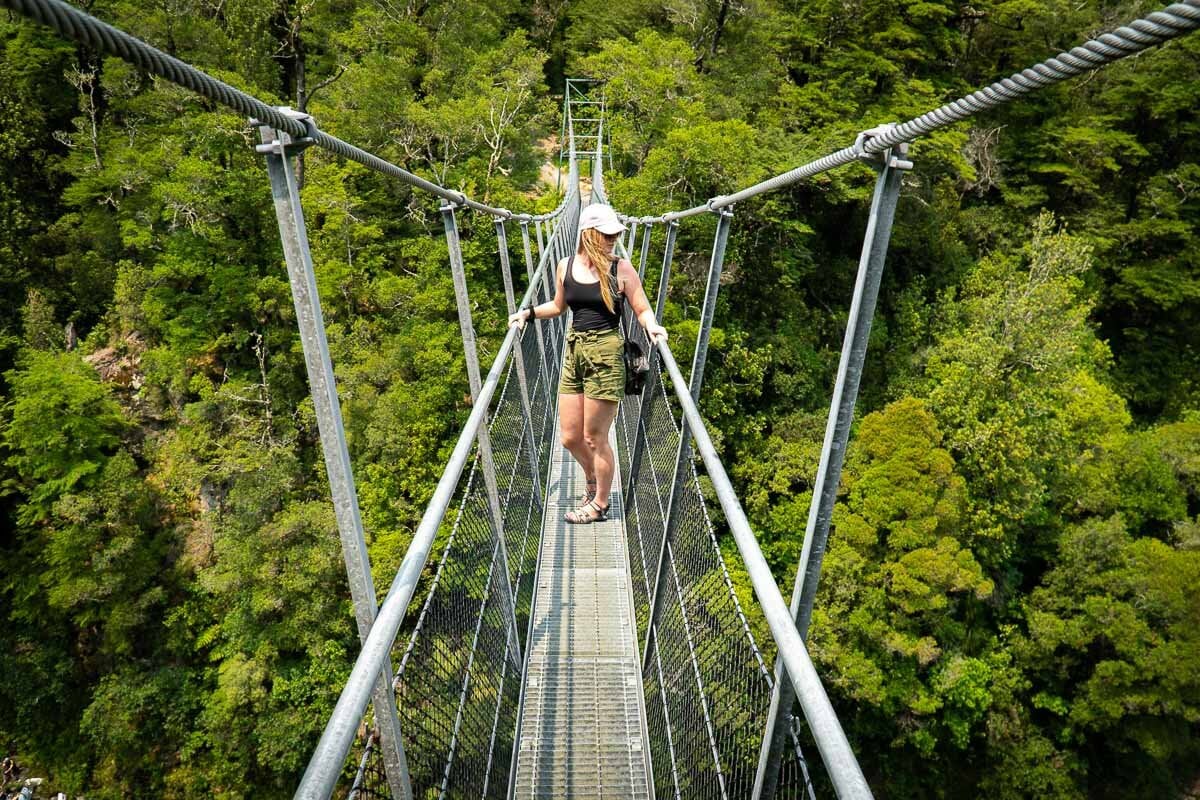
(656, 331)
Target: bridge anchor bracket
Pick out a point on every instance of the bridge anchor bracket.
(284, 144)
(893, 157)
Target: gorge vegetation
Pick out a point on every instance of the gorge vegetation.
(1010, 606)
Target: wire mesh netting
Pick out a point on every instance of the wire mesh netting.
(707, 680)
(369, 780)
(458, 676)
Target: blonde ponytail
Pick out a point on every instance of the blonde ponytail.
(592, 247)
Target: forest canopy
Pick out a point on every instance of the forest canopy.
(1009, 605)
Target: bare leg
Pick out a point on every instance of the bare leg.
(598, 416)
(570, 423)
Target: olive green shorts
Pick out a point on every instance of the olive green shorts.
(594, 365)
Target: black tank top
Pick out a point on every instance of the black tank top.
(587, 304)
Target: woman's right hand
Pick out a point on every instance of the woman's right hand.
(519, 317)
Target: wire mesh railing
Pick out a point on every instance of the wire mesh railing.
(707, 681)
(706, 677)
(458, 677)
(369, 780)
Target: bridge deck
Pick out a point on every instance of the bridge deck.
(582, 731)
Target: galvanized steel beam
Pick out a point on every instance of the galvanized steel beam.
(519, 359)
(458, 270)
(293, 234)
(645, 250)
(640, 434)
(833, 453)
(541, 337)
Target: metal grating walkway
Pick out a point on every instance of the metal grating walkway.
(582, 723)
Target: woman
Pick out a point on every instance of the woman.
(593, 373)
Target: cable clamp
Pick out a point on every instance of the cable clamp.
(892, 157)
(724, 211)
(453, 205)
(285, 144)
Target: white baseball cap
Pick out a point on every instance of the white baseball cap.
(600, 217)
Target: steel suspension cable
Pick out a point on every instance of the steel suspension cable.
(1172, 22)
(86, 29)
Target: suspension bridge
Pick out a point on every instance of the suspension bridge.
(605, 661)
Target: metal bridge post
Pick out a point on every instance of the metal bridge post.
(562, 141)
(647, 398)
(710, 302)
(683, 457)
(530, 270)
(485, 440)
(285, 191)
(519, 355)
(833, 451)
(557, 253)
(645, 250)
(548, 273)
(548, 277)
(660, 303)
(570, 248)
(631, 244)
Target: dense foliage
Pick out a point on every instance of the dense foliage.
(1009, 605)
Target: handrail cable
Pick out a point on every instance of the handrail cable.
(86, 29)
(1172, 22)
(1141, 34)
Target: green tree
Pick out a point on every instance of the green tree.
(899, 623)
(1112, 630)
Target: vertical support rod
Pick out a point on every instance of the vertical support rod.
(485, 440)
(570, 230)
(519, 354)
(530, 271)
(549, 275)
(562, 140)
(710, 302)
(631, 243)
(541, 243)
(684, 454)
(289, 212)
(833, 452)
(664, 280)
(557, 251)
(639, 439)
(645, 250)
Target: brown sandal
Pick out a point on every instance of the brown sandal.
(590, 511)
(589, 493)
